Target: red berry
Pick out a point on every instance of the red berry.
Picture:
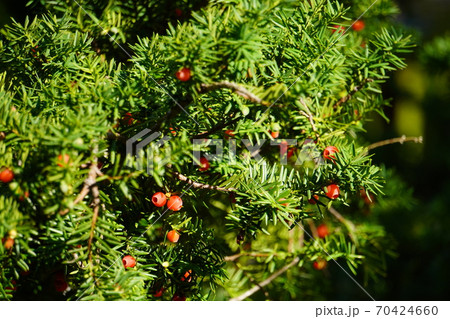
(172, 130)
(358, 25)
(187, 276)
(178, 12)
(184, 74)
(322, 231)
(290, 152)
(63, 160)
(283, 147)
(228, 134)
(320, 264)
(128, 119)
(174, 203)
(204, 164)
(178, 297)
(25, 194)
(173, 236)
(60, 285)
(332, 191)
(8, 242)
(159, 199)
(128, 261)
(59, 281)
(338, 28)
(6, 175)
(329, 151)
(159, 293)
(274, 134)
(240, 237)
(313, 200)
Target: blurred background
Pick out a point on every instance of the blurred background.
(420, 107)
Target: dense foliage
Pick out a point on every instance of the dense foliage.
(79, 80)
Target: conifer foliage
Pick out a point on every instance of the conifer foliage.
(79, 219)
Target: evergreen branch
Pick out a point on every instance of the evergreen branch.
(400, 140)
(309, 116)
(239, 90)
(87, 184)
(96, 202)
(216, 128)
(352, 92)
(264, 283)
(172, 112)
(194, 184)
(90, 184)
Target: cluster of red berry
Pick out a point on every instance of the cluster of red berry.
(174, 203)
(322, 232)
(7, 175)
(130, 262)
(332, 191)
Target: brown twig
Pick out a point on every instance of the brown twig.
(402, 139)
(239, 90)
(264, 283)
(90, 185)
(352, 92)
(194, 184)
(313, 228)
(87, 184)
(310, 117)
(253, 281)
